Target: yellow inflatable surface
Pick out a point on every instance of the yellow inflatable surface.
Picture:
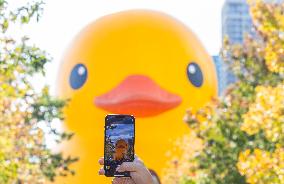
(137, 62)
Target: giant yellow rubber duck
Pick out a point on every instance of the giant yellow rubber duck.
(138, 62)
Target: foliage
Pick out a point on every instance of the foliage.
(266, 114)
(242, 132)
(180, 168)
(262, 166)
(24, 155)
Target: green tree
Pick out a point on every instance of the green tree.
(24, 155)
(242, 133)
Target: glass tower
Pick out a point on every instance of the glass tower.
(236, 20)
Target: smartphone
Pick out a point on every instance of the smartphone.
(119, 143)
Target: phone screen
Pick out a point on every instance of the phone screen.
(119, 143)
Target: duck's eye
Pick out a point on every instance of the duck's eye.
(78, 76)
(194, 74)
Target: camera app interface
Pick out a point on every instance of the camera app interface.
(119, 142)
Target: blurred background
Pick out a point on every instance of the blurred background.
(236, 136)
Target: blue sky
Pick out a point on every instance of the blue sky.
(122, 131)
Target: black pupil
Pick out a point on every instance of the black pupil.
(78, 76)
(194, 74)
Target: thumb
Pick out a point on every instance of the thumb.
(128, 166)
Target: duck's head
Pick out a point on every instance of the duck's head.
(138, 62)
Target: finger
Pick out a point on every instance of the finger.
(128, 166)
(117, 181)
(138, 160)
(122, 181)
(101, 171)
(101, 161)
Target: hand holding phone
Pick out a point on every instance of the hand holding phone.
(138, 172)
(119, 143)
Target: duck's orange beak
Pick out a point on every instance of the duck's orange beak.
(137, 95)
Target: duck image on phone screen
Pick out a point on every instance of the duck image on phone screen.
(119, 143)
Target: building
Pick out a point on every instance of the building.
(236, 20)
(220, 73)
(224, 78)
